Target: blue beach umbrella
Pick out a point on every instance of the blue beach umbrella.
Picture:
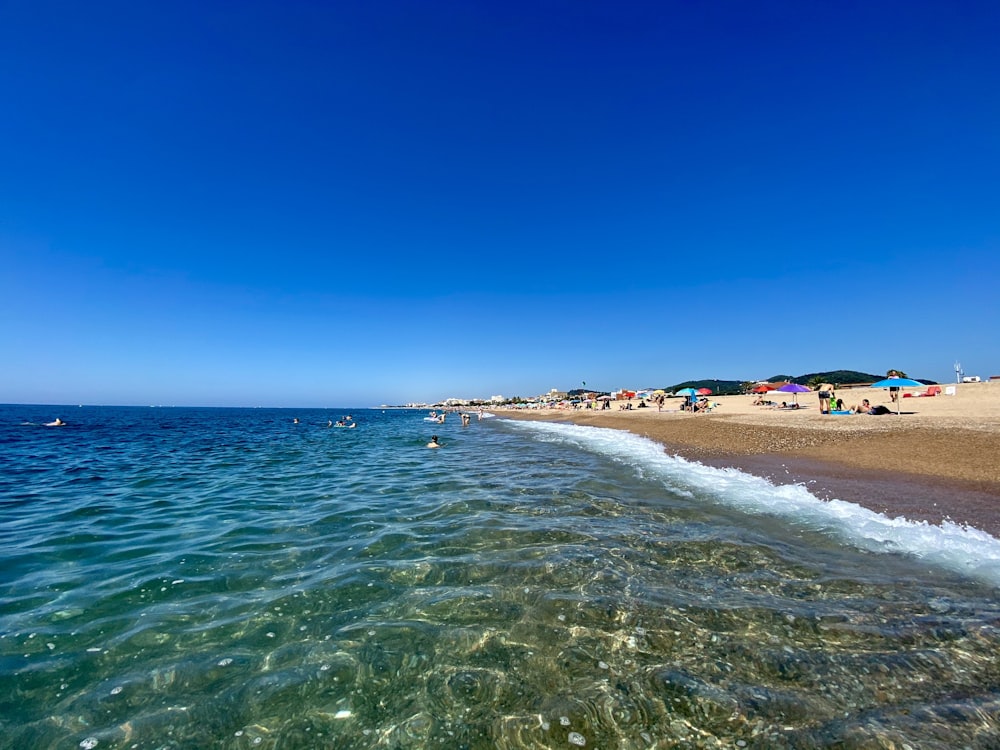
(688, 393)
(898, 383)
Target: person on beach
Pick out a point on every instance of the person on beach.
(863, 408)
(825, 394)
(434, 442)
(894, 391)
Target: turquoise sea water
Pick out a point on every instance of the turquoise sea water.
(225, 578)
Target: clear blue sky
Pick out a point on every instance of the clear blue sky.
(356, 203)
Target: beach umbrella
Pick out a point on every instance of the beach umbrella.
(688, 393)
(764, 388)
(898, 383)
(795, 389)
(704, 391)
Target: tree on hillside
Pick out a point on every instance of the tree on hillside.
(896, 374)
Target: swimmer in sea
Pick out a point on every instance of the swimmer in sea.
(56, 423)
(434, 442)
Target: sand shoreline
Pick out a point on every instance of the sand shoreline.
(935, 462)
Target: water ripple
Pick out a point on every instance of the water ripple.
(227, 578)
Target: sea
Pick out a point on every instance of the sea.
(256, 578)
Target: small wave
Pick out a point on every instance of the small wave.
(955, 547)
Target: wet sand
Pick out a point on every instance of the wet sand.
(939, 460)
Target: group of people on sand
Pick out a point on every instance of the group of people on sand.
(696, 405)
(828, 403)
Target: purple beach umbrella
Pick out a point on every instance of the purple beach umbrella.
(795, 389)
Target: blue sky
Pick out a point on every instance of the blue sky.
(356, 203)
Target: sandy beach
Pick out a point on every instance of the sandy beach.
(937, 460)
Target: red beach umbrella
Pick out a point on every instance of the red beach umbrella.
(704, 391)
(764, 388)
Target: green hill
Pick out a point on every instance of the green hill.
(718, 387)
(836, 377)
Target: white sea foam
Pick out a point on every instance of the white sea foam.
(959, 548)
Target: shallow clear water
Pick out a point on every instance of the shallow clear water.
(226, 578)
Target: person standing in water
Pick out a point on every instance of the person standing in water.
(434, 442)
